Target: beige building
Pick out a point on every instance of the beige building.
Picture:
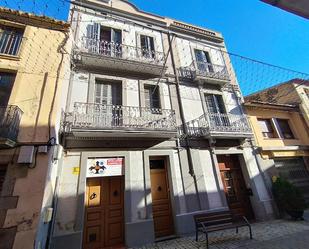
(281, 138)
(33, 55)
(153, 131)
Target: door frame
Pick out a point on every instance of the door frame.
(177, 203)
(82, 184)
(101, 193)
(169, 182)
(246, 176)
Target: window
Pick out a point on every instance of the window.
(107, 93)
(203, 61)
(147, 45)
(152, 97)
(104, 40)
(6, 84)
(214, 103)
(267, 128)
(3, 169)
(216, 110)
(10, 40)
(284, 128)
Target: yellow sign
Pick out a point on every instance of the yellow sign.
(288, 153)
(75, 171)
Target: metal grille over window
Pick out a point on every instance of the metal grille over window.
(10, 40)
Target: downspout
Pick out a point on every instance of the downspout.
(184, 127)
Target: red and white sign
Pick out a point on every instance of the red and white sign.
(98, 167)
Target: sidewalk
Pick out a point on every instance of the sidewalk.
(276, 234)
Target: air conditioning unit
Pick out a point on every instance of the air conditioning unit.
(25, 155)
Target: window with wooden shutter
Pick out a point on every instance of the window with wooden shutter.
(3, 169)
(107, 93)
(152, 97)
(267, 128)
(285, 129)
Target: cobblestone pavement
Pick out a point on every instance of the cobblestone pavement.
(277, 234)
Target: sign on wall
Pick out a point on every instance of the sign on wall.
(98, 167)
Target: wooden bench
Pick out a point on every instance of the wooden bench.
(211, 222)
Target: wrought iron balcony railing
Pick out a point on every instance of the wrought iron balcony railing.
(10, 117)
(203, 69)
(218, 123)
(91, 116)
(121, 51)
(10, 43)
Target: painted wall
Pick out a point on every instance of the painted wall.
(38, 83)
(295, 121)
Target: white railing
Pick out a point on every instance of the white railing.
(10, 43)
(218, 123)
(203, 69)
(121, 51)
(99, 116)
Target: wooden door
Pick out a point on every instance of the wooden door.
(161, 204)
(235, 189)
(104, 216)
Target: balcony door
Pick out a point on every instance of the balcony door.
(108, 104)
(203, 61)
(104, 40)
(148, 48)
(216, 110)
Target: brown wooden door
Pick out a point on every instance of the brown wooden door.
(104, 216)
(161, 204)
(235, 189)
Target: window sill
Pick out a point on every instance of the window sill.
(10, 57)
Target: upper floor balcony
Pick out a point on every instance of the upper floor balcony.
(219, 125)
(205, 72)
(119, 59)
(98, 120)
(10, 117)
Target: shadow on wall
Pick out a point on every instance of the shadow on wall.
(27, 190)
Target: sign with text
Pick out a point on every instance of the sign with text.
(98, 167)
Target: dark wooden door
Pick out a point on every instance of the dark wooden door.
(161, 204)
(235, 189)
(104, 217)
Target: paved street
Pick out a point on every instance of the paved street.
(278, 234)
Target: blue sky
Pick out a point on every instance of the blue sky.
(250, 28)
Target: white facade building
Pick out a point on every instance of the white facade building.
(153, 131)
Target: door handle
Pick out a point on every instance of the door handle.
(159, 189)
(93, 196)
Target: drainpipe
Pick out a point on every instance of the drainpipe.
(184, 127)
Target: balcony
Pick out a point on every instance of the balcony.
(96, 120)
(219, 125)
(10, 43)
(10, 117)
(205, 73)
(119, 59)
